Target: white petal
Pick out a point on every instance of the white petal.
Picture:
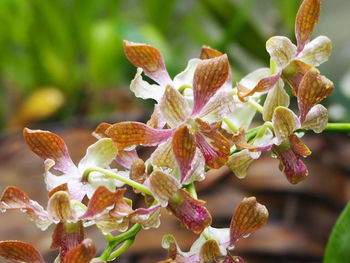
(317, 51)
(281, 50)
(185, 78)
(218, 107)
(275, 97)
(100, 154)
(142, 89)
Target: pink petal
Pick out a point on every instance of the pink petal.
(149, 59)
(313, 88)
(15, 198)
(307, 18)
(125, 134)
(48, 145)
(184, 148)
(191, 212)
(20, 252)
(102, 199)
(290, 164)
(126, 158)
(82, 253)
(263, 85)
(213, 145)
(249, 216)
(67, 236)
(209, 77)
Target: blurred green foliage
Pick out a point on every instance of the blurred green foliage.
(75, 46)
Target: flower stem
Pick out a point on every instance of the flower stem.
(337, 127)
(232, 127)
(115, 241)
(256, 105)
(122, 249)
(113, 175)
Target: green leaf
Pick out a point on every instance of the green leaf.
(338, 247)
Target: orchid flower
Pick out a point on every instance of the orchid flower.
(292, 62)
(216, 245)
(193, 133)
(18, 251)
(60, 169)
(108, 210)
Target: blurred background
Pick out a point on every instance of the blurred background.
(62, 68)
(62, 60)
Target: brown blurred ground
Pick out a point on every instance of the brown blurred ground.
(301, 216)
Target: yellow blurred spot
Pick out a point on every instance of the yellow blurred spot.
(38, 106)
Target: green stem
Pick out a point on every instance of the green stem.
(122, 249)
(115, 241)
(256, 105)
(337, 127)
(110, 174)
(232, 127)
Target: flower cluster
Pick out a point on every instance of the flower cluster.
(200, 121)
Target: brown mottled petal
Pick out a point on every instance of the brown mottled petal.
(163, 186)
(248, 217)
(317, 51)
(125, 134)
(20, 252)
(184, 148)
(240, 141)
(48, 145)
(263, 85)
(149, 59)
(157, 120)
(126, 158)
(208, 53)
(82, 253)
(108, 223)
(316, 119)
(101, 199)
(275, 97)
(59, 207)
(298, 146)
(307, 18)
(239, 163)
(122, 207)
(208, 78)
(62, 187)
(15, 198)
(313, 88)
(290, 164)
(147, 217)
(281, 50)
(191, 212)
(66, 236)
(285, 122)
(138, 171)
(209, 251)
(174, 107)
(221, 105)
(213, 145)
(294, 73)
(100, 131)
